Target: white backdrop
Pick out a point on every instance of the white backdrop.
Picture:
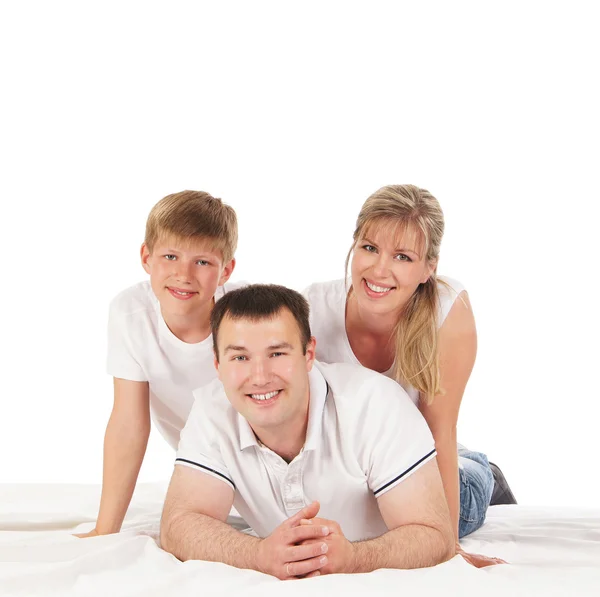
(294, 113)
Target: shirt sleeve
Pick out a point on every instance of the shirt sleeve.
(121, 361)
(198, 444)
(395, 440)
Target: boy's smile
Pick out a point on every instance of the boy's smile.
(184, 275)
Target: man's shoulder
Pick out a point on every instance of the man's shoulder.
(210, 401)
(354, 383)
(135, 299)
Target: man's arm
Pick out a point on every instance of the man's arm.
(193, 527)
(420, 532)
(125, 444)
(420, 535)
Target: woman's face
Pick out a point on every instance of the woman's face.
(388, 265)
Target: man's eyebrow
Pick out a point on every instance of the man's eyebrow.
(234, 348)
(281, 345)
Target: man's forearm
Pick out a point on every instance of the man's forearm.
(409, 546)
(193, 536)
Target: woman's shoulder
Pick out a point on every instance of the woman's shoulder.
(448, 291)
(329, 293)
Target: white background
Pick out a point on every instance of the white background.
(294, 113)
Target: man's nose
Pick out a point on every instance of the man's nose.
(260, 372)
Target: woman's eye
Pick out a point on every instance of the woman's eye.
(403, 257)
(369, 248)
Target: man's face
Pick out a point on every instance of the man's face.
(264, 371)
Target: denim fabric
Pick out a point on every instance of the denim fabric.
(476, 487)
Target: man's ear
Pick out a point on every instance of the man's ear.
(227, 271)
(311, 352)
(216, 363)
(145, 255)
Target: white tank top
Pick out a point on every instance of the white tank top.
(327, 302)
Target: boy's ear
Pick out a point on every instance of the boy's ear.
(145, 255)
(227, 271)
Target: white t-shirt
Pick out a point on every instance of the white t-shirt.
(364, 436)
(327, 302)
(142, 348)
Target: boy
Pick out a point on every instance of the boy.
(159, 339)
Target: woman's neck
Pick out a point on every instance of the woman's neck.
(364, 322)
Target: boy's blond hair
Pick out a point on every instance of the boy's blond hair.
(192, 216)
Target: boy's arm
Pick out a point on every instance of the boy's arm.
(125, 444)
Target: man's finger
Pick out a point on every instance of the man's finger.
(296, 553)
(305, 566)
(301, 533)
(307, 512)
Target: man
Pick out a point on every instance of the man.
(279, 431)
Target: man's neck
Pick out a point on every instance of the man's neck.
(192, 328)
(286, 441)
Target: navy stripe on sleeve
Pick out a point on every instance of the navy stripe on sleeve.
(206, 468)
(404, 473)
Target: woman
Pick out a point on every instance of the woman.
(397, 317)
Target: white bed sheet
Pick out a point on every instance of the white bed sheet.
(551, 551)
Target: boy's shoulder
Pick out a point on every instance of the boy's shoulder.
(135, 299)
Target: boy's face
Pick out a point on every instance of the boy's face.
(184, 275)
(264, 371)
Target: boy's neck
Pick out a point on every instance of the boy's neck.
(190, 328)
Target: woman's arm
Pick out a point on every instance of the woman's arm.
(457, 349)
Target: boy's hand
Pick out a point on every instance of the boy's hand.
(340, 553)
(92, 533)
(293, 550)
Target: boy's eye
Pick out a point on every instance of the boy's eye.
(170, 257)
(202, 262)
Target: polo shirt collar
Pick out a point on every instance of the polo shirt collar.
(319, 389)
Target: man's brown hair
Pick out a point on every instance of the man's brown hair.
(261, 301)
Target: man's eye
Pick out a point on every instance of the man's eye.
(239, 357)
(277, 354)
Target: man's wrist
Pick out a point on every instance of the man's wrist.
(352, 559)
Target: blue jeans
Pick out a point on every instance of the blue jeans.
(476, 486)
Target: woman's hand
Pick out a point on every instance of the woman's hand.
(478, 560)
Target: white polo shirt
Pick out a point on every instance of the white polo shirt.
(327, 302)
(364, 436)
(141, 347)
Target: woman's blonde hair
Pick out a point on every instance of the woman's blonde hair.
(416, 332)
